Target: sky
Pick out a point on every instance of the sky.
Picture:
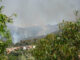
(38, 17)
(40, 12)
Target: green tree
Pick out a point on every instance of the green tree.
(44, 48)
(5, 36)
(62, 46)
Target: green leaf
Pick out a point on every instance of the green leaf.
(54, 55)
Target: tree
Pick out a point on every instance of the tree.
(5, 36)
(44, 48)
(62, 46)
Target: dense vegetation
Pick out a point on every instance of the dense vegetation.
(62, 46)
(5, 36)
(65, 45)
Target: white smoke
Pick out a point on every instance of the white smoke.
(40, 13)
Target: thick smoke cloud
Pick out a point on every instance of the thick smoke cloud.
(39, 13)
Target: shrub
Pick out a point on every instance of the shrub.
(62, 46)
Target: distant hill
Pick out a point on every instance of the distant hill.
(19, 33)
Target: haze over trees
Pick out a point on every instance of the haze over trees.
(63, 45)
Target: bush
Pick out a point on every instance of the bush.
(5, 36)
(62, 46)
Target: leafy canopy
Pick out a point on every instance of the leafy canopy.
(5, 36)
(62, 46)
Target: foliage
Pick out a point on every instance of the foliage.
(3, 57)
(5, 36)
(24, 42)
(20, 55)
(62, 46)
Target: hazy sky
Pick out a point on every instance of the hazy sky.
(35, 16)
(40, 12)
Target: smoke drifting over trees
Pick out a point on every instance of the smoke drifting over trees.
(40, 13)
